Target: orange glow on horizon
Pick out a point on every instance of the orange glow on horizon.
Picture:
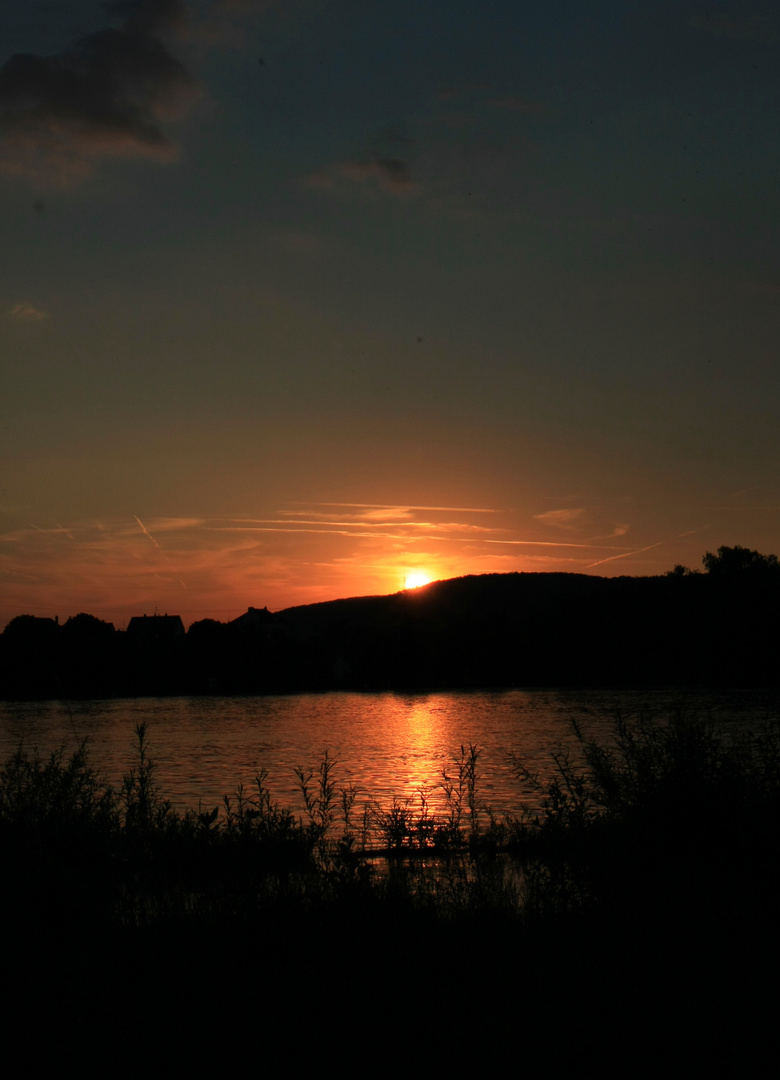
(215, 567)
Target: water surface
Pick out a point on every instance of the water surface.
(389, 745)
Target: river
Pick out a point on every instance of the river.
(390, 746)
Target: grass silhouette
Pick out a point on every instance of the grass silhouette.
(635, 907)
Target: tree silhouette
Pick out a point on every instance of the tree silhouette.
(730, 562)
(87, 627)
(681, 571)
(31, 630)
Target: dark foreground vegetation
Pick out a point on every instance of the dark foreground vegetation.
(716, 628)
(630, 923)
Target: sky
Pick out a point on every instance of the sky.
(300, 299)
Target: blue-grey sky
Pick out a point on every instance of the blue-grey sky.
(299, 298)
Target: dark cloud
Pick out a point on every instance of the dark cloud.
(250, 7)
(749, 29)
(512, 103)
(464, 90)
(457, 119)
(224, 23)
(389, 135)
(391, 174)
(109, 94)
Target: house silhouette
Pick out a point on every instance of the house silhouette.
(155, 628)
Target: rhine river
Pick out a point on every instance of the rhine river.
(390, 746)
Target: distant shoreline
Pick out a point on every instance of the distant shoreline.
(494, 631)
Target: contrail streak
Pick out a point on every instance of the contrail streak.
(472, 540)
(146, 532)
(627, 554)
(639, 551)
(557, 544)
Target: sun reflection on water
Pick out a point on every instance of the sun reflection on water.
(390, 746)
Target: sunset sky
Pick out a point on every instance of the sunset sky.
(300, 298)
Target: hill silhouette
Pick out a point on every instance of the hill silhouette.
(549, 629)
(717, 629)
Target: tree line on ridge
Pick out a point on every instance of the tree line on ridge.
(719, 627)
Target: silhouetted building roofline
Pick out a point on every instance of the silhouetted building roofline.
(156, 627)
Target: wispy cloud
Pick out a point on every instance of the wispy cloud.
(175, 524)
(26, 312)
(617, 530)
(556, 544)
(409, 506)
(574, 519)
(380, 514)
(561, 519)
(406, 523)
(352, 522)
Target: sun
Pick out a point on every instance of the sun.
(415, 579)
